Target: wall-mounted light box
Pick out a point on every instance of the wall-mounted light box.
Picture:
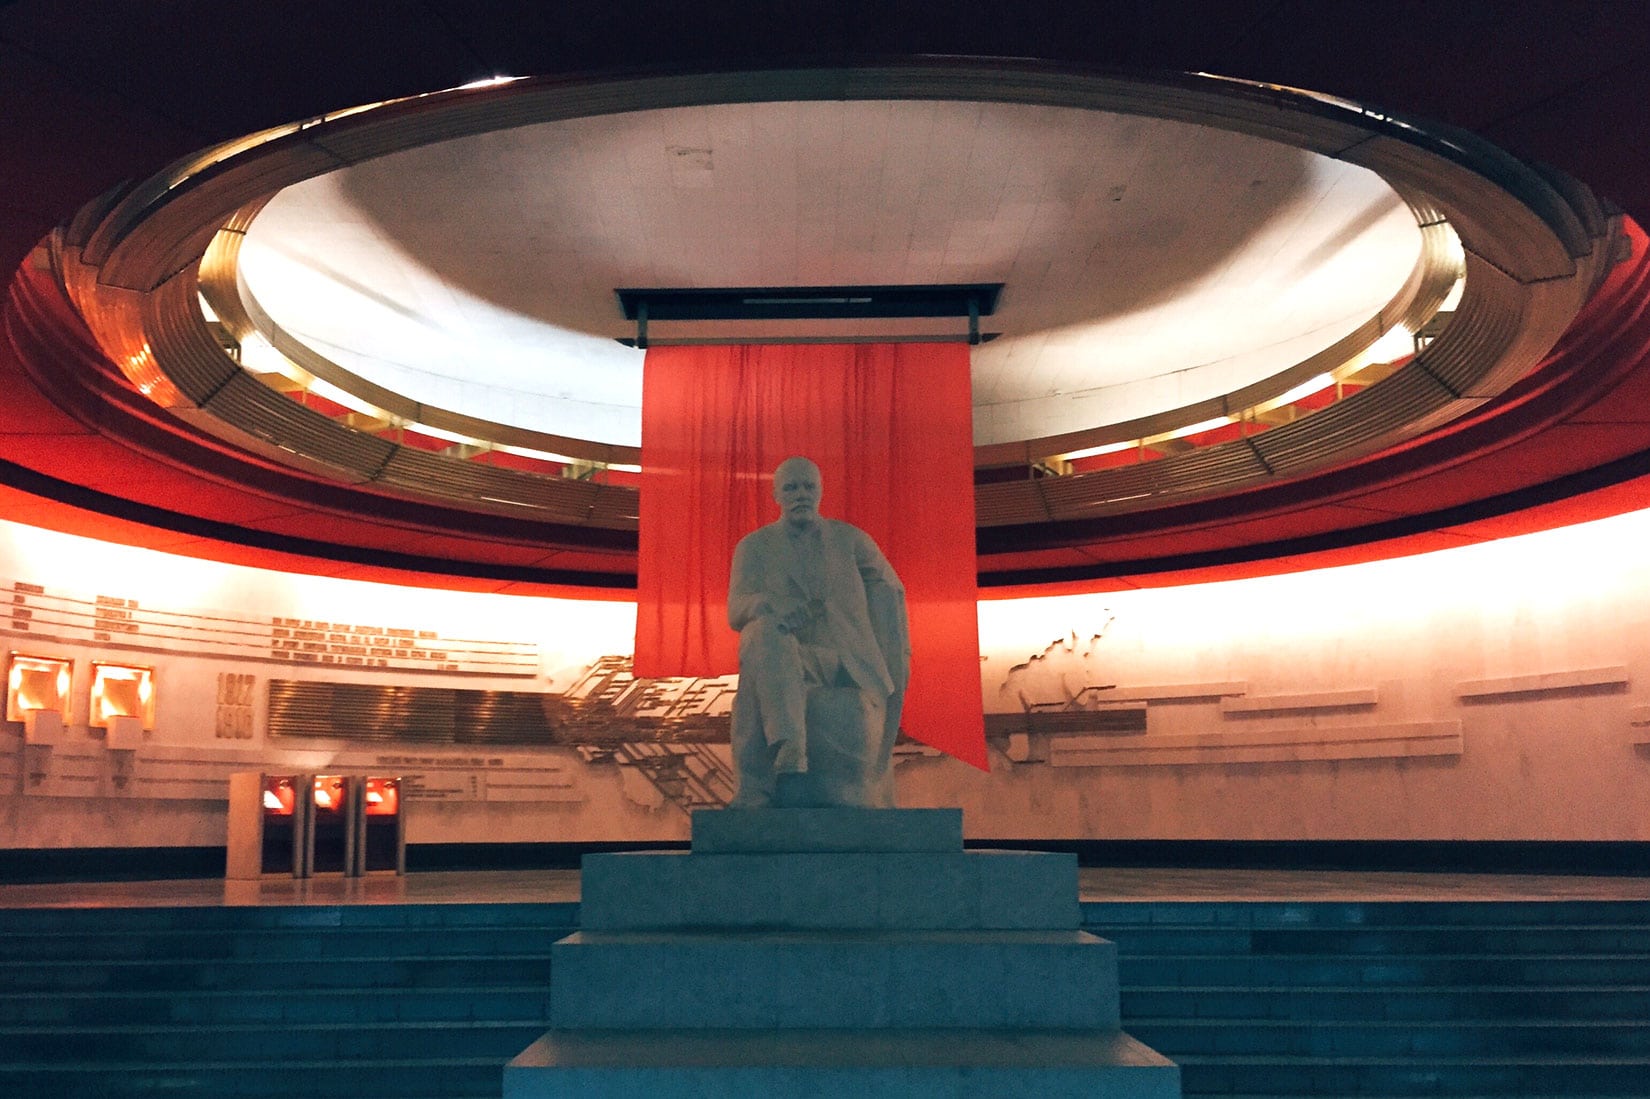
(123, 703)
(37, 694)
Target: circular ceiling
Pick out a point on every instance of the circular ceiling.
(1526, 250)
(1147, 264)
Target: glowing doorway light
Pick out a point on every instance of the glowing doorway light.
(529, 452)
(1396, 343)
(444, 435)
(1193, 429)
(1096, 451)
(37, 683)
(338, 396)
(259, 356)
(329, 792)
(1305, 389)
(122, 690)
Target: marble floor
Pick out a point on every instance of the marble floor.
(1097, 884)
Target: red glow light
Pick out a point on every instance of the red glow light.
(329, 792)
(279, 797)
(383, 797)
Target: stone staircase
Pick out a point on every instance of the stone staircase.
(379, 1000)
(1390, 999)
(429, 1001)
(834, 951)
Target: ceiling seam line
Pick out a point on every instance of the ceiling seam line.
(1259, 457)
(1429, 372)
(315, 141)
(1513, 275)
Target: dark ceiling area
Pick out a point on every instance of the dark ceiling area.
(93, 95)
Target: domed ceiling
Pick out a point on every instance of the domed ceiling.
(1146, 263)
(1163, 239)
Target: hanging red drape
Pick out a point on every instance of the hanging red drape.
(890, 427)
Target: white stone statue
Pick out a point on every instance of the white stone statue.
(824, 656)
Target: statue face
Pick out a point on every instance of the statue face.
(797, 489)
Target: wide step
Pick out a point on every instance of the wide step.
(254, 977)
(1271, 971)
(441, 1003)
(1460, 1038)
(355, 1042)
(302, 944)
(1438, 1003)
(950, 1063)
(1534, 1076)
(1255, 1001)
(827, 979)
(462, 1078)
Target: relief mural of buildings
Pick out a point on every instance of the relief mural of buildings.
(673, 731)
(1056, 692)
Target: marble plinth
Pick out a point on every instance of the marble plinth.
(919, 978)
(910, 1064)
(826, 952)
(957, 890)
(752, 831)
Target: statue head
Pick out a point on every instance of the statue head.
(797, 488)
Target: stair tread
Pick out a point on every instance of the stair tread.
(283, 1063)
(1383, 990)
(378, 992)
(262, 1026)
(1213, 1022)
(1364, 928)
(1371, 956)
(112, 926)
(1413, 1060)
(250, 959)
(1250, 950)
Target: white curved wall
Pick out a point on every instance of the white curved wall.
(1495, 691)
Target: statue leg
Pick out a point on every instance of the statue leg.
(752, 759)
(773, 675)
(844, 735)
(884, 734)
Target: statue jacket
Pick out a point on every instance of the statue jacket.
(864, 619)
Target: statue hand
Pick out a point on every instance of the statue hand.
(793, 615)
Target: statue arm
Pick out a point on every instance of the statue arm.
(885, 600)
(746, 602)
(750, 596)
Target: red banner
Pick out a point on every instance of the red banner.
(890, 427)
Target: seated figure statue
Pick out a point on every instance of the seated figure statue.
(824, 656)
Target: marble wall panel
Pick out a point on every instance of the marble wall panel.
(1490, 692)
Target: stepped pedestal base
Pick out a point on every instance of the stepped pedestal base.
(878, 831)
(911, 1064)
(825, 952)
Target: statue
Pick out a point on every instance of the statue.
(824, 656)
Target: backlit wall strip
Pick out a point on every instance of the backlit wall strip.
(123, 621)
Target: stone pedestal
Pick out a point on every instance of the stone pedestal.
(834, 952)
